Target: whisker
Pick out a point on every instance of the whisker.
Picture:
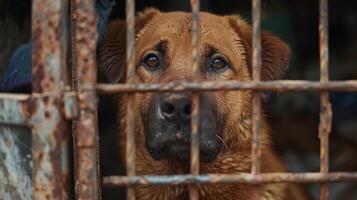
(220, 138)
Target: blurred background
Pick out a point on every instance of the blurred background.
(293, 116)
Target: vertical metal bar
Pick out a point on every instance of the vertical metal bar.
(74, 87)
(130, 115)
(85, 134)
(50, 166)
(256, 62)
(195, 145)
(325, 107)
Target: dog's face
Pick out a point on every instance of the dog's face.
(164, 54)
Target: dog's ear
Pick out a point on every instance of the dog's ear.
(275, 53)
(112, 53)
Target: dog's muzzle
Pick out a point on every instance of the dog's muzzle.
(168, 128)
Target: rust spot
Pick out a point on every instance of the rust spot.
(47, 115)
(55, 154)
(47, 85)
(51, 24)
(30, 108)
(40, 156)
(57, 32)
(39, 76)
(58, 102)
(46, 100)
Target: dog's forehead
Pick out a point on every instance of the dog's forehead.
(176, 27)
(181, 23)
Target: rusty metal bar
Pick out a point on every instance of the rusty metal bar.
(256, 66)
(242, 178)
(16, 109)
(256, 62)
(20, 109)
(194, 193)
(50, 167)
(276, 86)
(85, 135)
(325, 107)
(130, 115)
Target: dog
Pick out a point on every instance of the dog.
(164, 54)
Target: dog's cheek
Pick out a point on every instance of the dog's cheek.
(142, 109)
(219, 101)
(222, 112)
(234, 106)
(145, 76)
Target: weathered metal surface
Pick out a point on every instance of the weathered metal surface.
(16, 142)
(86, 141)
(50, 181)
(256, 63)
(47, 40)
(50, 140)
(21, 109)
(130, 115)
(15, 146)
(33, 111)
(195, 145)
(256, 104)
(276, 86)
(16, 109)
(84, 42)
(15, 163)
(70, 105)
(243, 178)
(325, 107)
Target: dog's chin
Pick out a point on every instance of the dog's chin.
(172, 151)
(180, 152)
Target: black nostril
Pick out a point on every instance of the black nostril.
(187, 110)
(175, 108)
(168, 109)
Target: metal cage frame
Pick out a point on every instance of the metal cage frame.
(52, 105)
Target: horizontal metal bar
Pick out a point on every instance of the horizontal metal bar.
(24, 110)
(277, 86)
(15, 109)
(70, 105)
(243, 178)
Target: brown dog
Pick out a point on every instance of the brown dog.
(164, 54)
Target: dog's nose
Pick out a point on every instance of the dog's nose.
(169, 133)
(176, 108)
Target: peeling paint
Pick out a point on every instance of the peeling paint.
(15, 164)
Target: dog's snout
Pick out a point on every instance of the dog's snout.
(168, 134)
(175, 108)
(209, 150)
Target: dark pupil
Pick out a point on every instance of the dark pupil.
(218, 63)
(152, 61)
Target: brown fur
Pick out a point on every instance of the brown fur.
(232, 37)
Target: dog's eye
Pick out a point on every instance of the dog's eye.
(152, 61)
(217, 63)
